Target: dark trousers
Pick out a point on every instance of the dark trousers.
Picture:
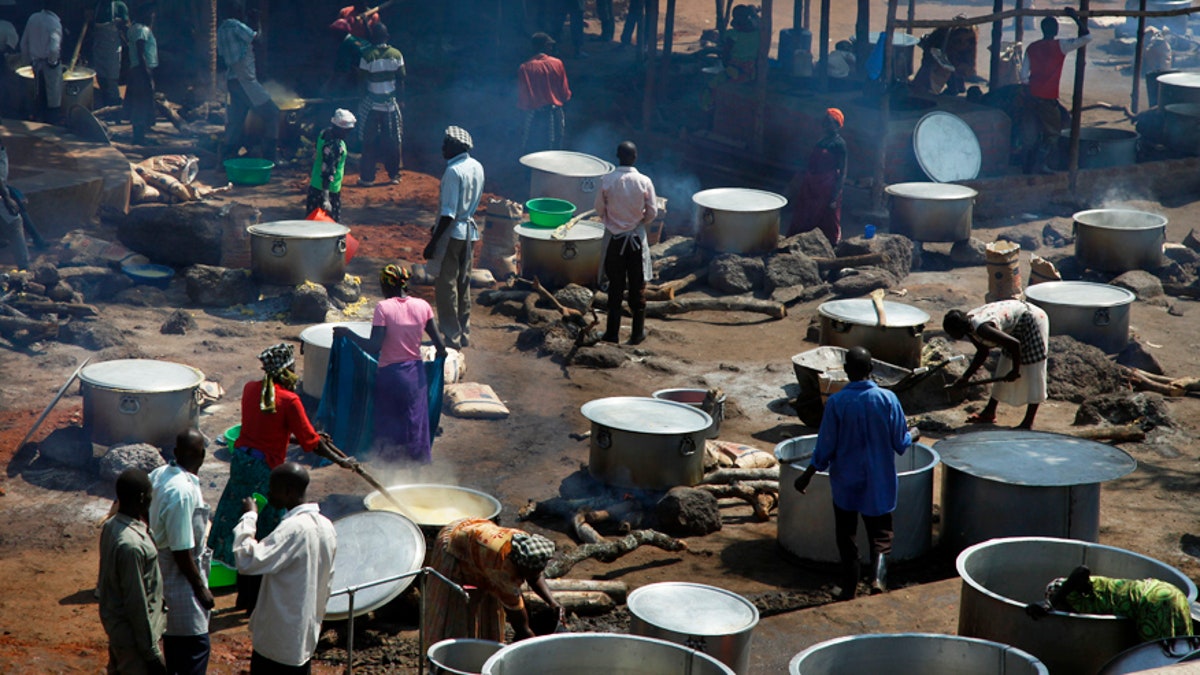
(186, 654)
(1049, 119)
(235, 122)
(624, 271)
(314, 200)
(570, 9)
(544, 129)
(633, 20)
(139, 102)
(381, 145)
(879, 533)
(108, 92)
(608, 25)
(261, 665)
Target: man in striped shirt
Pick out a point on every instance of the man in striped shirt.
(383, 127)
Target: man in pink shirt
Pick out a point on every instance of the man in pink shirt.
(626, 203)
(542, 91)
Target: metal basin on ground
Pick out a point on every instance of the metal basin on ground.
(573, 259)
(854, 323)
(738, 220)
(372, 545)
(718, 622)
(1181, 126)
(601, 654)
(1119, 240)
(290, 252)
(697, 398)
(924, 653)
(1097, 314)
(805, 527)
(1100, 147)
(315, 344)
(931, 211)
(139, 401)
(1156, 654)
(562, 174)
(646, 443)
(460, 656)
(1009, 483)
(1001, 576)
(79, 86)
(1180, 87)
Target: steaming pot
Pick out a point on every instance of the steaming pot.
(853, 323)
(600, 654)
(574, 259)
(713, 620)
(738, 220)
(646, 443)
(290, 252)
(913, 653)
(315, 344)
(1119, 240)
(78, 86)
(139, 401)
(931, 211)
(561, 174)
(1097, 314)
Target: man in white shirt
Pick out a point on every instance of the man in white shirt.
(454, 237)
(235, 46)
(41, 47)
(296, 565)
(178, 521)
(626, 203)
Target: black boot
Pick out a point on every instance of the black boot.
(849, 582)
(879, 573)
(612, 331)
(638, 331)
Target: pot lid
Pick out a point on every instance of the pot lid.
(1034, 458)
(373, 545)
(1120, 219)
(931, 191)
(1187, 79)
(946, 148)
(692, 609)
(567, 163)
(861, 311)
(321, 335)
(646, 415)
(584, 230)
(898, 39)
(1079, 293)
(739, 199)
(299, 229)
(145, 375)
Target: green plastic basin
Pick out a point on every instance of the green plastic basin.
(549, 212)
(221, 575)
(248, 170)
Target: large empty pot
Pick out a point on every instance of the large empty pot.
(139, 401)
(460, 656)
(931, 211)
(601, 654)
(713, 620)
(1097, 314)
(738, 220)
(924, 653)
(1119, 240)
(854, 323)
(1100, 147)
(1181, 126)
(315, 344)
(805, 527)
(561, 174)
(646, 443)
(290, 252)
(1180, 87)
(1001, 576)
(573, 259)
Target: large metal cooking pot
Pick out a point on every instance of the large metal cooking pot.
(854, 323)
(1001, 576)
(1181, 126)
(646, 443)
(925, 653)
(78, 86)
(561, 174)
(1008, 483)
(805, 526)
(1156, 654)
(372, 545)
(139, 401)
(460, 656)
(290, 252)
(1097, 314)
(713, 620)
(315, 344)
(1179, 87)
(574, 259)
(738, 220)
(435, 506)
(1119, 240)
(931, 211)
(601, 654)
(698, 398)
(1100, 147)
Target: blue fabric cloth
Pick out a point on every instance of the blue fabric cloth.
(861, 433)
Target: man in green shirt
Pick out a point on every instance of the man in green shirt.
(329, 166)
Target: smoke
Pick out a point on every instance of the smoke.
(280, 92)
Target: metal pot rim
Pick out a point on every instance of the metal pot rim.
(321, 334)
(542, 642)
(123, 371)
(584, 230)
(1150, 221)
(783, 457)
(495, 503)
(798, 659)
(681, 411)
(299, 229)
(739, 200)
(1057, 292)
(646, 592)
(899, 315)
(925, 190)
(567, 163)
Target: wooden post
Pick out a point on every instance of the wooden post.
(885, 106)
(1077, 105)
(1019, 24)
(862, 34)
(668, 46)
(1137, 61)
(207, 35)
(760, 78)
(649, 29)
(997, 40)
(823, 48)
(798, 19)
(912, 14)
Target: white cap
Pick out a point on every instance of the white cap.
(343, 118)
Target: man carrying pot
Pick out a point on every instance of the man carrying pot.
(861, 433)
(626, 203)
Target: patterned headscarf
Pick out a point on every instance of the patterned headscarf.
(837, 116)
(394, 276)
(460, 136)
(531, 552)
(278, 362)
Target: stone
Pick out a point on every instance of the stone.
(45, 274)
(679, 247)
(183, 234)
(1180, 254)
(347, 291)
(1058, 233)
(813, 244)
(688, 512)
(1077, 371)
(310, 304)
(1135, 355)
(1192, 241)
(92, 334)
(735, 274)
(855, 282)
(1143, 284)
(94, 282)
(142, 296)
(531, 338)
(1028, 236)
(1068, 266)
(1146, 409)
(1175, 309)
(788, 270)
(897, 252)
(67, 445)
(129, 456)
(575, 296)
(971, 252)
(179, 323)
(602, 355)
(213, 286)
(1174, 273)
(60, 291)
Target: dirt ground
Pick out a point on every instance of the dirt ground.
(48, 617)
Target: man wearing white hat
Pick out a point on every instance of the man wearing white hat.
(329, 166)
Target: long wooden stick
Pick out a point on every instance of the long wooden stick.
(402, 509)
(42, 418)
(78, 46)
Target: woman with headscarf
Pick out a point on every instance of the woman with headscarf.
(816, 195)
(1158, 608)
(1022, 332)
(496, 560)
(402, 429)
(271, 416)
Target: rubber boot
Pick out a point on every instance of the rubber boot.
(879, 573)
(849, 582)
(612, 330)
(638, 332)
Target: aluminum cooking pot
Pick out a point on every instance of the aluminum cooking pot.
(738, 220)
(1180, 87)
(139, 401)
(646, 443)
(1119, 240)
(601, 654)
(705, 618)
(1156, 654)
(1100, 147)
(460, 656)
(561, 174)
(913, 653)
(854, 323)
(931, 211)
(290, 252)
(574, 259)
(315, 344)
(698, 398)
(1181, 126)
(78, 86)
(1097, 314)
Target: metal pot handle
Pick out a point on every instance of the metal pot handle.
(197, 397)
(130, 405)
(603, 438)
(279, 248)
(708, 217)
(1101, 317)
(341, 245)
(569, 251)
(687, 447)
(839, 326)
(1093, 149)
(916, 330)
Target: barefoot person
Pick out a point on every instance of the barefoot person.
(1021, 331)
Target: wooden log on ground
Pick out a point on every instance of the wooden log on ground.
(558, 507)
(1143, 381)
(737, 475)
(1129, 433)
(18, 329)
(581, 603)
(617, 590)
(611, 550)
(663, 309)
(762, 507)
(667, 289)
(494, 297)
(583, 529)
(51, 307)
(825, 264)
(1182, 290)
(168, 110)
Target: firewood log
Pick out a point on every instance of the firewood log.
(611, 550)
(1182, 290)
(762, 511)
(49, 307)
(583, 530)
(617, 590)
(737, 303)
(667, 289)
(582, 603)
(21, 330)
(489, 297)
(737, 475)
(1122, 434)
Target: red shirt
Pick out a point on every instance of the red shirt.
(269, 433)
(1045, 68)
(542, 81)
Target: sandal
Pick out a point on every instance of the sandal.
(978, 418)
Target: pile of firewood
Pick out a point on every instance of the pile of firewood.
(35, 304)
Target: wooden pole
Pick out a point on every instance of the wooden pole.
(1077, 107)
(1137, 61)
(649, 29)
(668, 46)
(798, 19)
(807, 22)
(912, 14)
(760, 79)
(1019, 23)
(885, 106)
(823, 48)
(997, 39)
(862, 34)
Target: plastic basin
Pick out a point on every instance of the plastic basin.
(549, 212)
(248, 170)
(221, 575)
(150, 274)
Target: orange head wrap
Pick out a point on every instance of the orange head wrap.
(837, 116)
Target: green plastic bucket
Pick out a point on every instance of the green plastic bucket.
(221, 575)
